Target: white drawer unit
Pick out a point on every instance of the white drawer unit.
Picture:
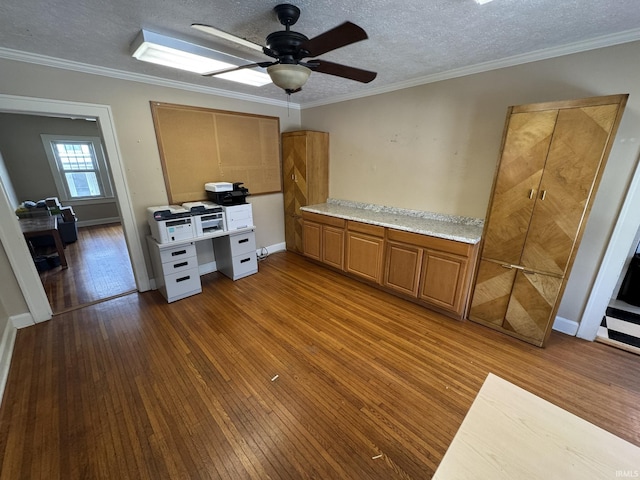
(175, 268)
(236, 254)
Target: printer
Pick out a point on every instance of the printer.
(208, 217)
(170, 223)
(226, 194)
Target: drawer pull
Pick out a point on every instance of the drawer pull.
(182, 264)
(245, 260)
(178, 280)
(179, 252)
(244, 240)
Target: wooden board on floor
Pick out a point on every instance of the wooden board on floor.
(510, 433)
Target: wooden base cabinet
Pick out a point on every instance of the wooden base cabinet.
(402, 268)
(552, 159)
(365, 251)
(436, 271)
(323, 239)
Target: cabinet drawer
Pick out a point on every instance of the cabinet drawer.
(176, 253)
(179, 265)
(243, 243)
(182, 284)
(367, 228)
(244, 265)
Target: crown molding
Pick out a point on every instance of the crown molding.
(544, 54)
(46, 61)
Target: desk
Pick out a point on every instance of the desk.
(40, 226)
(177, 270)
(509, 433)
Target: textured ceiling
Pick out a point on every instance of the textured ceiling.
(408, 41)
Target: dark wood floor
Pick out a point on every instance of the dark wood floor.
(368, 386)
(99, 268)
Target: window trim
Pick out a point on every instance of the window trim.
(102, 171)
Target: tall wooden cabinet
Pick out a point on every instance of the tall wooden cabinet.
(305, 170)
(553, 156)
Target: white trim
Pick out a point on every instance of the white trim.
(34, 58)
(620, 244)
(20, 260)
(17, 251)
(278, 247)
(22, 321)
(98, 221)
(6, 353)
(564, 325)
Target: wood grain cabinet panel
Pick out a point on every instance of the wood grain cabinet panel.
(443, 280)
(365, 251)
(305, 179)
(333, 246)
(553, 156)
(402, 268)
(323, 239)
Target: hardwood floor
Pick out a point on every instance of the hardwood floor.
(99, 268)
(295, 372)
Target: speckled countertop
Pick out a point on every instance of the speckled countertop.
(461, 229)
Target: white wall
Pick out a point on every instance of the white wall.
(434, 147)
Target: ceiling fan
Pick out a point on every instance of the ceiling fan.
(288, 49)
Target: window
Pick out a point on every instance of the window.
(78, 167)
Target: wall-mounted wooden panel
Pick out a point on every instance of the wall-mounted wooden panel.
(201, 145)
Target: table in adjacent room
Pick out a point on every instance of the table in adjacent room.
(41, 226)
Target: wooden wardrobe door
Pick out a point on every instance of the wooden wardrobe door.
(531, 305)
(520, 170)
(570, 174)
(492, 291)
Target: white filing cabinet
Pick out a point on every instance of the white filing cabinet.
(175, 268)
(236, 254)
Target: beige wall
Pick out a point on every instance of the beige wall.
(129, 102)
(432, 147)
(435, 147)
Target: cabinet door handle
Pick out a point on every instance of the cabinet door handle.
(180, 252)
(244, 240)
(532, 192)
(244, 260)
(506, 266)
(182, 279)
(178, 265)
(544, 194)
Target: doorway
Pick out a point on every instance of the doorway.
(93, 237)
(614, 264)
(10, 234)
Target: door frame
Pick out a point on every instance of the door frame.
(10, 234)
(613, 262)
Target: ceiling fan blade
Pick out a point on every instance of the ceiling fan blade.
(241, 67)
(226, 36)
(357, 74)
(337, 37)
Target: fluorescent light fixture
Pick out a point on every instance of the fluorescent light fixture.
(482, 2)
(170, 52)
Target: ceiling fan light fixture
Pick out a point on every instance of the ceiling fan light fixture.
(288, 76)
